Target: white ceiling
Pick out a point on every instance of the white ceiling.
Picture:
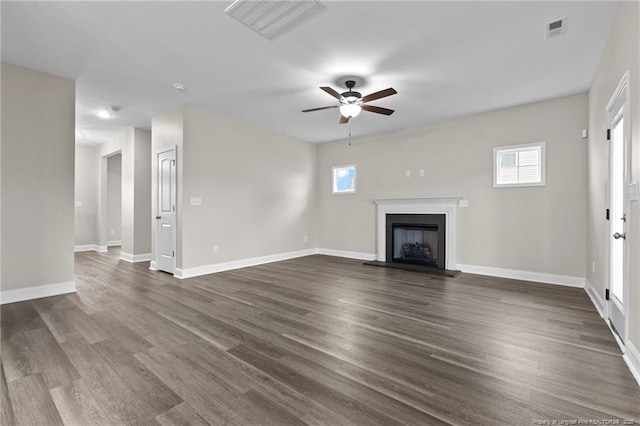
(445, 59)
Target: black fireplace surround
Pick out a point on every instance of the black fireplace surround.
(417, 239)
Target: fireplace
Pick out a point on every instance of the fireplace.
(428, 226)
(416, 239)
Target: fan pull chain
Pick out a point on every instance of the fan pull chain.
(349, 133)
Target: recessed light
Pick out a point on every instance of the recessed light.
(104, 114)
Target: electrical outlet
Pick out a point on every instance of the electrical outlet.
(407, 173)
(464, 203)
(421, 172)
(113, 232)
(216, 249)
(306, 238)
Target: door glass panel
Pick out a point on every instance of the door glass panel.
(617, 209)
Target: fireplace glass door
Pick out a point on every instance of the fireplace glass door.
(416, 238)
(415, 244)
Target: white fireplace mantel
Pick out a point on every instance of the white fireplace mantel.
(428, 205)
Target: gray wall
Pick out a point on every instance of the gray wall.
(86, 192)
(536, 229)
(136, 192)
(620, 55)
(142, 200)
(114, 199)
(38, 119)
(257, 188)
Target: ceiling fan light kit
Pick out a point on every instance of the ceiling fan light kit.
(350, 110)
(352, 102)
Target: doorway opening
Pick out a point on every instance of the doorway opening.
(114, 201)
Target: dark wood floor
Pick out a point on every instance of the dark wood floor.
(317, 340)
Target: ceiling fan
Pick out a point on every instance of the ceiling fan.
(351, 102)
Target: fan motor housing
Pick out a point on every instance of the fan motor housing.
(351, 93)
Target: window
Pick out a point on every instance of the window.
(344, 179)
(521, 165)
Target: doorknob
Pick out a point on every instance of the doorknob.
(617, 236)
(158, 217)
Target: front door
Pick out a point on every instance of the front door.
(618, 148)
(166, 216)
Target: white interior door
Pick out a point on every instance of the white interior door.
(618, 149)
(166, 217)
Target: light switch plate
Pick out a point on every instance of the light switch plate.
(407, 173)
(196, 201)
(464, 203)
(633, 191)
(422, 172)
(78, 203)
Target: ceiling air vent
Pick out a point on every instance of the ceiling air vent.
(555, 28)
(272, 17)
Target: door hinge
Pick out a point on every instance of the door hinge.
(608, 134)
(606, 294)
(174, 255)
(607, 214)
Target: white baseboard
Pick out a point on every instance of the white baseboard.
(632, 358)
(91, 247)
(114, 243)
(152, 265)
(631, 355)
(595, 298)
(243, 263)
(565, 280)
(348, 254)
(133, 258)
(36, 292)
(481, 270)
